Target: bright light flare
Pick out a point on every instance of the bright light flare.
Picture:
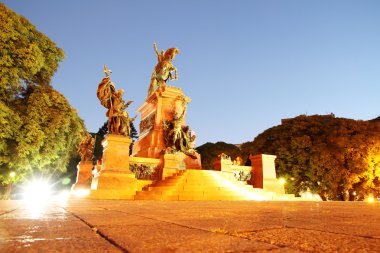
(36, 196)
(37, 191)
(282, 181)
(12, 174)
(81, 193)
(370, 199)
(63, 195)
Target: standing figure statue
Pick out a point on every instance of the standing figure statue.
(179, 137)
(164, 68)
(86, 148)
(118, 118)
(177, 129)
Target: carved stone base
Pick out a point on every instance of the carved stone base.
(171, 165)
(84, 176)
(193, 164)
(157, 108)
(264, 174)
(115, 185)
(115, 180)
(116, 153)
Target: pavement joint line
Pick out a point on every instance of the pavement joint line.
(286, 219)
(335, 233)
(9, 211)
(199, 229)
(98, 232)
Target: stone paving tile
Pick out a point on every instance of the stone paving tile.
(195, 226)
(7, 206)
(164, 237)
(314, 241)
(48, 230)
(344, 222)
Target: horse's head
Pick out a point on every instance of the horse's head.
(171, 53)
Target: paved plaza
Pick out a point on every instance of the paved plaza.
(189, 226)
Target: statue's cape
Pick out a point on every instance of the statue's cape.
(104, 92)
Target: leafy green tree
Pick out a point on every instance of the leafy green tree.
(134, 135)
(39, 129)
(334, 157)
(99, 136)
(28, 56)
(210, 151)
(103, 130)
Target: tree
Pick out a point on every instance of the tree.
(334, 157)
(103, 130)
(99, 136)
(133, 135)
(210, 151)
(39, 128)
(28, 56)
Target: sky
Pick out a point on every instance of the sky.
(245, 64)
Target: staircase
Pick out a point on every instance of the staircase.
(205, 185)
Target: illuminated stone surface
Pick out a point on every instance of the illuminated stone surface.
(84, 175)
(206, 185)
(157, 108)
(263, 168)
(115, 181)
(191, 226)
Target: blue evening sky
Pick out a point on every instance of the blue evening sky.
(245, 64)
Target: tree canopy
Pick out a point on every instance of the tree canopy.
(39, 129)
(335, 157)
(210, 151)
(27, 55)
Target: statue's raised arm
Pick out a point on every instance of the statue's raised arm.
(160, 56)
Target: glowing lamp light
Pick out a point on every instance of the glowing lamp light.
(282, 181)
(37, 191)
(12, 174)
(36, 196)
(371, 199)
(81, 193)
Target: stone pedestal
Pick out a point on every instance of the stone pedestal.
(157, 108)
(115, 180)
(116, 153)
(84, 175)
(193, 164)
(171, 165)
(221, 164)
(264, 174)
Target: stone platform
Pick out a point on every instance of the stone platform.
(189, 226)
(206, 185)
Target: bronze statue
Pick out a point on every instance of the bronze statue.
(164, 68)
(178, 137)
(86, 148)
(118, 118)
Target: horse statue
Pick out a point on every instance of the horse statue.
(164, 68)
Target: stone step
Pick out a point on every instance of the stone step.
(204, 185)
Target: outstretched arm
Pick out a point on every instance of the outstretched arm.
(155, 49)
(183, 113)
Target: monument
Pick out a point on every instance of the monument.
(115, 180)
(163, 130)
(164, 164)
(85, 166)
